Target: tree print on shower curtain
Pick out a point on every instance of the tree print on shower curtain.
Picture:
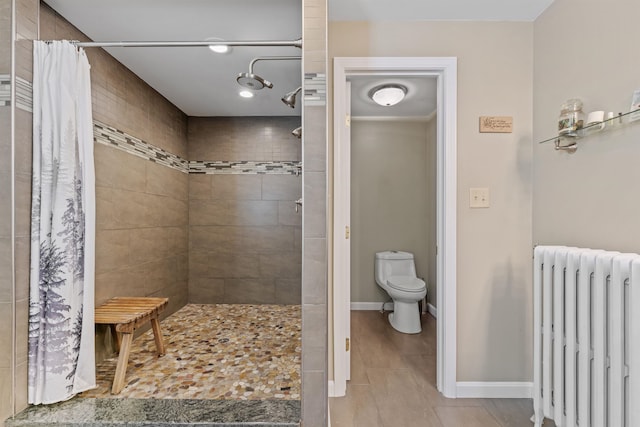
(61, 307)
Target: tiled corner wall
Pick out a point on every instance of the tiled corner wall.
(245, 234)
(15, 193)
(314, 239)
(7, 359)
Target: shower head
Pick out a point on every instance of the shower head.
(253, 81)
(290, 98)
(297, 132)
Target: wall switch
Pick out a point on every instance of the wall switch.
(478, 197)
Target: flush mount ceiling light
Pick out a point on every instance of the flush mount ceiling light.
(218, 48)
(388, 94)
(246, 94)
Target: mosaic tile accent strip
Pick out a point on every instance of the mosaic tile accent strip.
(215, 351)
(245, 167)
(107, 135)
(315, 89)
(24, 92)
(5, 90)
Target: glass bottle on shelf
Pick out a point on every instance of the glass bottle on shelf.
(571, 118)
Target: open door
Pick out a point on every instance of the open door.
(341, 240)
(445, 69)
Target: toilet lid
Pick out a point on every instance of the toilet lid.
(406, 283)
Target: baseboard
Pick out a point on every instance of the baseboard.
(494, 390)
(432, 310)
(388, 306)
(372, 306)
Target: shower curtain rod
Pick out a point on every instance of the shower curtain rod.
(294, 43)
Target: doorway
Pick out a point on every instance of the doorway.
(444, 70)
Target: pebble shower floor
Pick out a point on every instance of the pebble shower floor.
(214, 351)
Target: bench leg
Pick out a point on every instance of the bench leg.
(123, 359)
(115, 335)
(157, 334)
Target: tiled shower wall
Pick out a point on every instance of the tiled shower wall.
(314, 239)
(7, 359)
(15, 171)
(141, 206)
(245, 235)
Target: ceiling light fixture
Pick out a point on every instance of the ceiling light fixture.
(388, 94)
(246, 94)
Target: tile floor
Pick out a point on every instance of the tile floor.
(215, 351)
(393, 383)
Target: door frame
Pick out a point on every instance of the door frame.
(445, 69)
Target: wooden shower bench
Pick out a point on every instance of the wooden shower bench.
(124, 315)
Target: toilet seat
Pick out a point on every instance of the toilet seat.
(406, 283)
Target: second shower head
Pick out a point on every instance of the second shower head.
(290, 98)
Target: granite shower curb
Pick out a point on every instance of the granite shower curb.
(161, 412)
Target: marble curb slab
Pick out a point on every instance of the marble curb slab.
(161, 412)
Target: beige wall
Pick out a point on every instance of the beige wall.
(141, 206)
(581, 199)
(245, 236)
(390, 209)
(495, 63)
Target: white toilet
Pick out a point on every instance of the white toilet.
(396, 274)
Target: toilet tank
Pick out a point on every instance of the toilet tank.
(393, 263)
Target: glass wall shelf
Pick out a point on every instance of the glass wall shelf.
(570, 143)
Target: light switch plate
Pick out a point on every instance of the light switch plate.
(478, 197)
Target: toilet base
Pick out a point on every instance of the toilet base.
(406, 317)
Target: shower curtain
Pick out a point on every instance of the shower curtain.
(61, 297)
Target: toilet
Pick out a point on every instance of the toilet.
(395, 272)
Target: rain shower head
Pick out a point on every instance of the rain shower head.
(290, 98)
(253, 81)
(297, 132)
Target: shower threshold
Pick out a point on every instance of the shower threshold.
(161, 412)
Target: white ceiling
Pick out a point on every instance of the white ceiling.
(202, 83)
(436, 10)
(196, 80)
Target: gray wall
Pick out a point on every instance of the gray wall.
(587, 199)
(392, 181)
(245, 237)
